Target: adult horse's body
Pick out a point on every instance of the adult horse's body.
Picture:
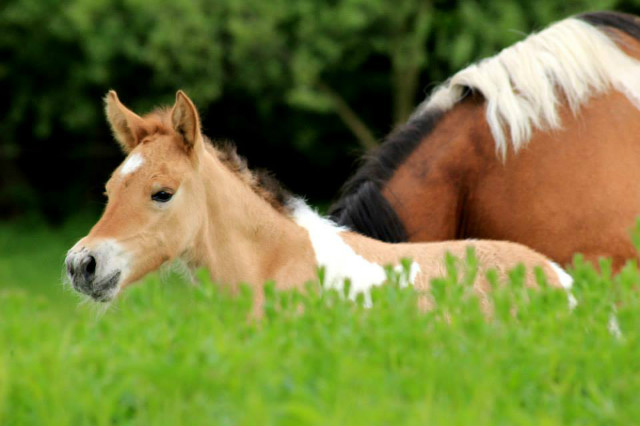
(178, 196)
(539, 144)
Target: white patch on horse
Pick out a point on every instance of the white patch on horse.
(524, 83)
(132, 164)
(566, 281)
(613, 326)
(339, 260)
(410, 279)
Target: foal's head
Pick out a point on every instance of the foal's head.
(156, 200)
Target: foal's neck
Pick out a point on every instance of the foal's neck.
(245, 239)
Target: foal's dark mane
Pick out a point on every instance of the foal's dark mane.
(363, 208)
(261, 181)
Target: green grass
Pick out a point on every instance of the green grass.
(168, 353)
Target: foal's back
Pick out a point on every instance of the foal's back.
(502, 256)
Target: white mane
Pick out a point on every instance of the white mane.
(524, 83)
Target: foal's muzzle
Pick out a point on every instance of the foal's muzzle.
(90, 274)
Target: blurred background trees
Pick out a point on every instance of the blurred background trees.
(303, 87)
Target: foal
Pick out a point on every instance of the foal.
(178, 196)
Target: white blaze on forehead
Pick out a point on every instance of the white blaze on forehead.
(338, 259)
(132, 164)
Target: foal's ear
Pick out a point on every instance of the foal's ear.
(185, 121)
(127, 126)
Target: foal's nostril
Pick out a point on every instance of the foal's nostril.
(88, 267)
(91, 267)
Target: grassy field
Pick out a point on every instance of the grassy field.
(169, 353)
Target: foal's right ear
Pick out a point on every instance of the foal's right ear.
(186, 121)
(127, 126)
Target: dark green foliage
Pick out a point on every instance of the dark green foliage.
(300, 86)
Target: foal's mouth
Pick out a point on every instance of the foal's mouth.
(103, 291)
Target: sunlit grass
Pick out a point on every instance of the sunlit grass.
(169, 353)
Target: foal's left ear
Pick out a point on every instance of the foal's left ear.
(127, 126)
(186, 122)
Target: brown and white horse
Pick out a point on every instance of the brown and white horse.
(539, 144)
(178, 196)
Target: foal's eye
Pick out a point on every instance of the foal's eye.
(161, 196)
